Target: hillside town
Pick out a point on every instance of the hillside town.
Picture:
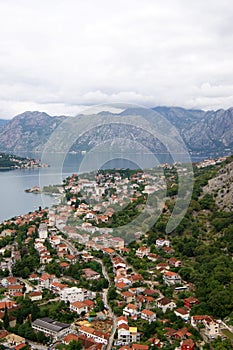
(67, 282)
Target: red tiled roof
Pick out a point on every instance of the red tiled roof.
(147, 312)
(35, 294)
(140, 347)
(122, 318)
(127, 294)
(131, 306)
(78, 304)
(123, 326)
(69, 337)
(20, 346)
(121, 285)
(6, 304)
(15, 287)
(182, 310)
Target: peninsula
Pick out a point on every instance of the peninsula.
(11, 161)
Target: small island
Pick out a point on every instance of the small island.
(11, 162)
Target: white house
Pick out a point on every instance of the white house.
(148, 315)
(79, 307)
(212, 327)
(161, 242)
(73, 294)
(182, 312)
(165, 304)
(127, 335)
(171, 278)
(130, 310)
(35, 296)
(142, 251)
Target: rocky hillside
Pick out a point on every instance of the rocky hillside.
(27, 132)
(221, 187)
(205, 133)
(202, 131)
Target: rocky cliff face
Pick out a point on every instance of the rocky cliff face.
(203, 132)
(221, 187)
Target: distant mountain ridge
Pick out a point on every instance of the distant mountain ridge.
(202, 132)
(27, 131)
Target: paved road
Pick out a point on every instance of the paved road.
(105, 300)
(105, 292)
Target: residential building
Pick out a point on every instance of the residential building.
(97, 336)
(190, 302)
(91, 274)
(161, 242)
(142, 251)
(79, 307)
(73, 294)
(174, 262)
(35, 296)
(212, 327)
(128, 296)
(182, 312)
(130, 310)
(165, 304)
(127, 335)
(15, 289)
(148, 315)
(171, 278)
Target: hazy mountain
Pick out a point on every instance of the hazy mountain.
(2, 123)
(203, 132)
(27, 132)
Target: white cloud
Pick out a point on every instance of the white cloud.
(58, 56)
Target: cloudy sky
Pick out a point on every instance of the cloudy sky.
(60, 56)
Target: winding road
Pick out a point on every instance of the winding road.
(104, 294)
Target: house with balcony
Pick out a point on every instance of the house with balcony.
(148, 315)
(141, 252)
(73, 294)
(212, 327)
(131, 310)
(127, 335)
(165, 304)
(171, 278)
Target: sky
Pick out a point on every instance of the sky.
(62, 56)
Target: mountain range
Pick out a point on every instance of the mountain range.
(204, 132)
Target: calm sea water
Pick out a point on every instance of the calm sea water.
(15, 201)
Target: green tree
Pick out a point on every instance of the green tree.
(6, 318)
